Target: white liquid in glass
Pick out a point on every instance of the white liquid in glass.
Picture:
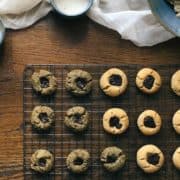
(72, 7)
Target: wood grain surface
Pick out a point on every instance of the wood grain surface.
(55, 40)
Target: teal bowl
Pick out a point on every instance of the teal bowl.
(2, 32)
(166, 15)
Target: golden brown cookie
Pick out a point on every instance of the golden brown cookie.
(42, 117)
(149, 122)
(78, 161)
(175, 82)
(115, 121)
(42, 161)
(44, 82)
(176, 158)
(150, 158)
(113, 82)
(148, 80)
(176, 121)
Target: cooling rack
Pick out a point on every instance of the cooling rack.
(60, 141)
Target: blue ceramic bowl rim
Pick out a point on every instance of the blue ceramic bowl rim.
(2, 33)
(168, 26)
(75, 15)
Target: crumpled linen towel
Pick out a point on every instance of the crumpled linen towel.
(132, 19)
(22, 14)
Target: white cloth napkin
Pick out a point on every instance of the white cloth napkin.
(132, 19)
(22, 14)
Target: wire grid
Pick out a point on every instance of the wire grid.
(61, 141)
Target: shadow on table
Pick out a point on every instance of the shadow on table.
(74, 29)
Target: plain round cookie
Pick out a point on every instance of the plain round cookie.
(176, 121)
(78, 82)
(77, 119)
(150, 158)
(149, 122)
(114, 82)
(176, 158)
(175, 82)
(42, 117)
(43, 82)
(42, 161)
(115, 121)
(148, 80)
(113, 158)
(78, 161)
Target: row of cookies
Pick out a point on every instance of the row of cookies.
(115, 120)
(113, 82)
(149, 158)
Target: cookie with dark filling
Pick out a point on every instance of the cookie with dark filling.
(77, 119)
(149, 122)
(78, 161)
(150, 158)
(114, 82)
(42, 161)
(44, 82)
(113, 158)
(78, 82)
(42, 118)
(115, 121)
(148, 80)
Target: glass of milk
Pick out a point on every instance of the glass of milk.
(72, 8)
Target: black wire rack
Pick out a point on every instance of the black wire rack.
(60, 141)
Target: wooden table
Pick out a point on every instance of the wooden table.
(54, 40)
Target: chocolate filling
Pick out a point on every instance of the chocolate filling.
(148, 82)
(78, 161)
(115, 80)
(81, 82)
(111, 158)
(149, 122)
(44, 82)
(153, 158)
(77, 118)
(43, 117)
(42, 162)
(114, 122)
